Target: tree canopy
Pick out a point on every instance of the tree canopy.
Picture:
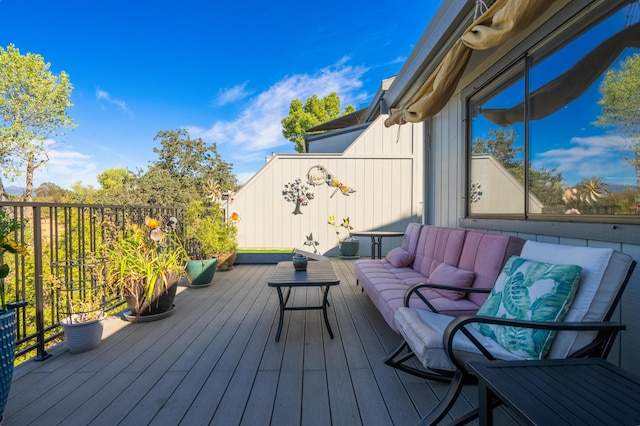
(313, 112)
(620, 91)
(33, 108)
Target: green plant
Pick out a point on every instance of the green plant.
(8, 244)
(207, 232)
(345, 224)
(82, 300)
(141, 263)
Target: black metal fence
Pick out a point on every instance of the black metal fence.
(65, 247)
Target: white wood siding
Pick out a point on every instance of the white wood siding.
(385, 171)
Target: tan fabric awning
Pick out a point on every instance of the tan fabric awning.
(503, 20)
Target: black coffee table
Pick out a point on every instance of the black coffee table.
(318, 274)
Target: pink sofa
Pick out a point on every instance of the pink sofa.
(450, 270)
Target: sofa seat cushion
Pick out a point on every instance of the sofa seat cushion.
(423, 331)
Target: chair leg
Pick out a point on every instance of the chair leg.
(441, 410)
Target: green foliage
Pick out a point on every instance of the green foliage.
(33, 107)
(116, 186)
(620, 99)
(187, 164)
(500, 144)
(52, 193)
(545, 184)
(313, 112)
(207, 235)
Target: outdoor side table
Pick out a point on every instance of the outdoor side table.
(376, 240)
(579, 391)
(318, 274)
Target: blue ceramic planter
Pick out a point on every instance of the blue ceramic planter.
(7, 354)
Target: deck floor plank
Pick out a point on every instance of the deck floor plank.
(215, 361)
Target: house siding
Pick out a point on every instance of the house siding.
(446, 174)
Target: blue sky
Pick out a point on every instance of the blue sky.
(225, 71)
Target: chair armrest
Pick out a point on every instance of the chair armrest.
(607, 331)
(414, 289)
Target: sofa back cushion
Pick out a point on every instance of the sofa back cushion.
(485, 254)
(411, 236)
(437, 245)
(603, 274)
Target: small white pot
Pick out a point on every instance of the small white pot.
(83, 336)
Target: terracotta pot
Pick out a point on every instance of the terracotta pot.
(226, 261)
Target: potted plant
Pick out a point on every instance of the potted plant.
(8, 225)
(145, 266)
(201, 226)
(227, 243)
(81, 305)
(349, 245)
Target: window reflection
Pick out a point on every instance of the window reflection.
(583, 141)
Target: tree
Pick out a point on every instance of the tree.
(183, 170)
(315, 111)
(620, 99)
(50, 192)
(116, 186)
(500, 145)
(33, 108)
(545, 184)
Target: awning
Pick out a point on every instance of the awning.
(348, 120)
(502, 21)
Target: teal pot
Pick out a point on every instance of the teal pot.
(349, 248)
(7, 354)
(300, 263)
(200, 272)
(83, 336)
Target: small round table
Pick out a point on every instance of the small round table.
(376, 240)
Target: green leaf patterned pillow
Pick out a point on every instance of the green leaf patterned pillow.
(532, 291)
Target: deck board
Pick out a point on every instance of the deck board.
(215, 361)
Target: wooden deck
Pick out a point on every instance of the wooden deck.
(215, 361)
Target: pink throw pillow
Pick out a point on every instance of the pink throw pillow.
(399, 257)
(450, 275)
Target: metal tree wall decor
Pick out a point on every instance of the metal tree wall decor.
(298, 193)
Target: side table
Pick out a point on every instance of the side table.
(580, 391)
(376, 240)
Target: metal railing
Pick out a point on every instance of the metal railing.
(64, 243)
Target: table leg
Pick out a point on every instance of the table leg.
(282, 303)
(485, 408)
(324, 310)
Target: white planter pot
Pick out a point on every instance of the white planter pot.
(84, 336)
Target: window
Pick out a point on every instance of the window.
(558, 132)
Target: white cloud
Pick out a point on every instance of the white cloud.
(600, 155)
(257, 131)
(233, 94)
(66, 167)
(102, 96)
